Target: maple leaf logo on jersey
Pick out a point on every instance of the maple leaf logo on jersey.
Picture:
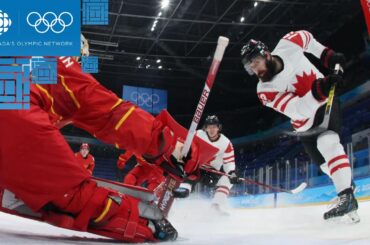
(304, 83)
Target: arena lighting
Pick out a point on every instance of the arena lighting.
(103, 43)
(158, 61)
(159, 67)
(154, 24)
(242, 19)
(255, 4)
(165, 3)
(138, 58)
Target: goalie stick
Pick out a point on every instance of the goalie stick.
(325, 123)
(9, 203)
(296, 190)
(167, 198)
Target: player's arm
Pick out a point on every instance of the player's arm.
(91, 166)
(101, 113)
(228, 159)
(306, 41)
(123, 158)
(229, 164)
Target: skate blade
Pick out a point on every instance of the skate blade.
(354, 217)
(350, 218)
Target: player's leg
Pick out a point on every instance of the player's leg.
(340, 171)
(38, 166)
(310, 146)
(222, 191)
(330, 147)
(36, 162)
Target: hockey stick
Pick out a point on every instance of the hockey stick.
(167, 198)
(219, 53)
(296, 190)
(329, 104)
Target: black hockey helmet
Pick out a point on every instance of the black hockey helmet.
(252, 49)
(212, 120)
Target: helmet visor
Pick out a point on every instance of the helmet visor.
(250, 65)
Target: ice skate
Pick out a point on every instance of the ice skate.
(346, 206)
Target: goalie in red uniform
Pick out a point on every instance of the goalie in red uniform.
(54, 184)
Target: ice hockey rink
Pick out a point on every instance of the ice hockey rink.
(198, 225)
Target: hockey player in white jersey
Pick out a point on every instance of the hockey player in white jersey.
(290, 84)
(224, 161)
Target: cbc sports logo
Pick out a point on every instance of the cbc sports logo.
(145, 99)
(5, 22)
(49, 21)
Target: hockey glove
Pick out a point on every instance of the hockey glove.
(329, 58)
(321, 86)
(208, 178)
(234, 179)
(170, 157)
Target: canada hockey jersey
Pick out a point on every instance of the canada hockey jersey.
(225, 157)
(289, 92)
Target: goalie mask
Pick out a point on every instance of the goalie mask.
(84, 46)
(84, 49)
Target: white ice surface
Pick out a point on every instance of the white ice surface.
(198, 225)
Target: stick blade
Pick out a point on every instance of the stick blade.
(300, 188)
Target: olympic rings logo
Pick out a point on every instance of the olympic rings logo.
(49, 21)
(145, 99)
